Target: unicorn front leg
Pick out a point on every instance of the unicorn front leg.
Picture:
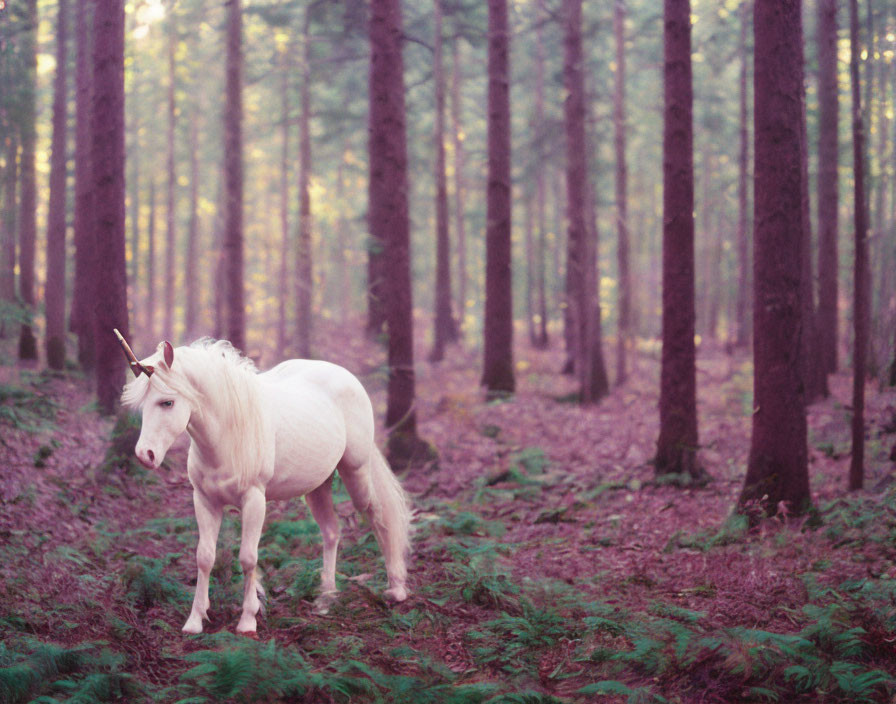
(254, 506)
(208, 519)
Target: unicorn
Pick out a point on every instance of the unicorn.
(265, 436)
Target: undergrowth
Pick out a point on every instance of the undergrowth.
(472, 632)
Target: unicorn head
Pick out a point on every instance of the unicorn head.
(166, 410)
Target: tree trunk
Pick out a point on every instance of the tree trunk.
(192, 251)
(8, 244)
(151, 265)
(742, 305)
(537, 248)
(109, 190)
(28, 198)
(860, 273)
(678, 443)
(83, 316)
(54, 294)
(814, 377)
(582, 267)
(389, 223)
(623, 332)
(304, 270)
(233, 174)
(459, 185)
(285, 71)
(497, 375)
(445, 330)
(170, 204)
(828, 189)
(777, 471)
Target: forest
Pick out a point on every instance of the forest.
(619, 279)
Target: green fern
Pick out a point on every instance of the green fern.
(147, 584)
(524, 698)
(641, 695)
(252, 671)
(85, 673)
(861, 686)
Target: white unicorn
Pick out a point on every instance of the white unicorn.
(258, 436)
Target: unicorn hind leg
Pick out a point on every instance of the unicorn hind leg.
(376, 493)
(320, 502)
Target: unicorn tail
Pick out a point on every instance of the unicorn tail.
(391, 517)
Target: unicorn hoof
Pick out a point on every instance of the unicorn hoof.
(192, 626)
(323, 603)
(245, 629)
(396, 594)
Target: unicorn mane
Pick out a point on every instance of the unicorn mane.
(218, 381)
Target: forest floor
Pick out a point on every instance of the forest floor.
(549, 563)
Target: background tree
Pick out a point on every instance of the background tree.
(624, 301)
(168, 289)
(108, 166)
(8, 222)
(741, 315)
(83, 315)
(444, 330)
(582, 266)
(860, 271)
(28, 186)
(389, 223)
(777, 470)
(459, 183)
(497, 374)
(304, 271)
(233, 175)
(677, 444)
(56, 219)
(828, 189)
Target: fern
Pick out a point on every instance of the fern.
(86, 673)
(251, 671)
(868, 686)
(641, 695)
(516, 641)
(147, 585)
(524, 698)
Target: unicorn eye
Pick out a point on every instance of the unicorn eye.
(166, 404)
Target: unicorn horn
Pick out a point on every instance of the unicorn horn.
(134, 363)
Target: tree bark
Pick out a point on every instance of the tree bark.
(623, 333)
(459, 184)
(860, 272)
(285, 71)
(192, 250)
(304, 269)
(8, 248)
(678, 440)
(109, 204)
(54, 293)
(538, 314)
(233, 174)
(742, 304)
(83, 316)
(445, 330)
(151, 264)
(170, 203)
(777, 472)
(828, 189)
(28, 197)
(389, 223)
(815, 379)
(497, 375)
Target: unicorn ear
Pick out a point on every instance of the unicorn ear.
(168, 353)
